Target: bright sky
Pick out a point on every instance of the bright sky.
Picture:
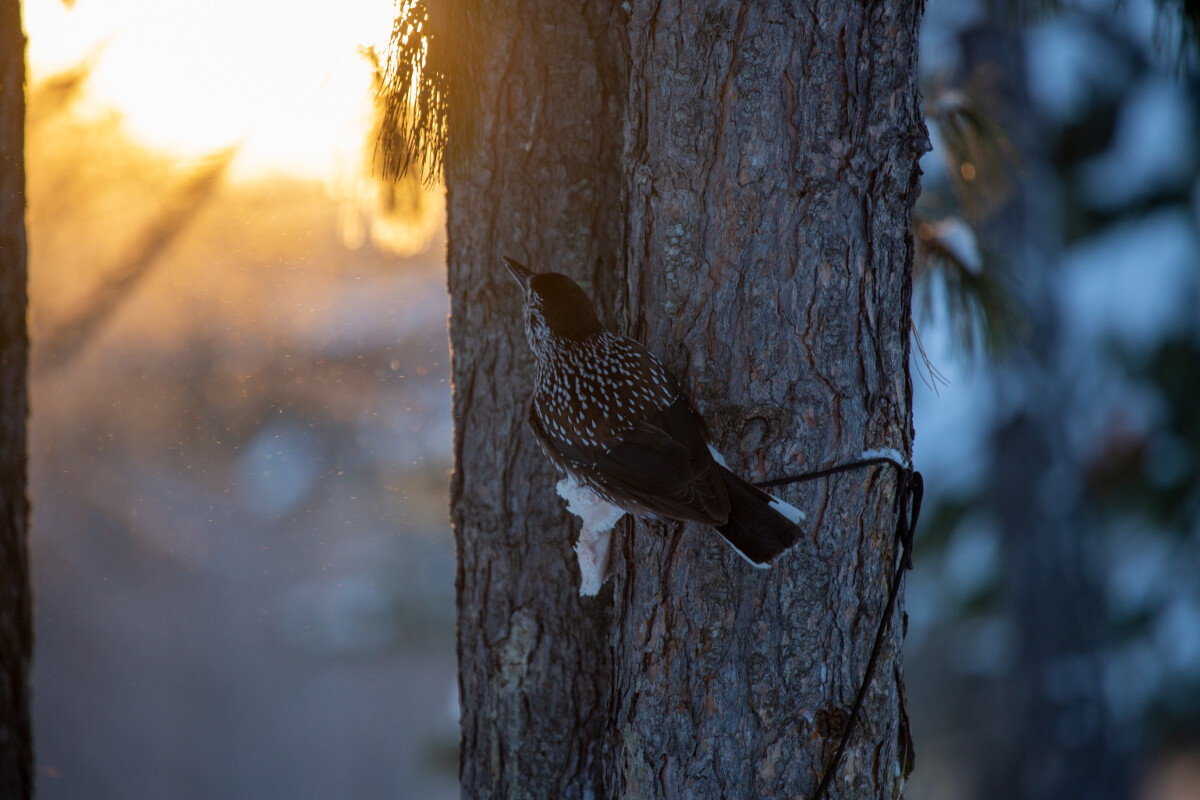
(284, 78)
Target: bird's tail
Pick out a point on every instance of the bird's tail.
(760, 526)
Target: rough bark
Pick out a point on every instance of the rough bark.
(544, 188)
(16, 620)
(771, 170)
(733, 185)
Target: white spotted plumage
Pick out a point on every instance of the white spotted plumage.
(609, 414)
(579, 395)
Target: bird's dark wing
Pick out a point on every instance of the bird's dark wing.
(660, 466)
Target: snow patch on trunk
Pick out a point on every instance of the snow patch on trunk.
(887, 452)
(598, 517)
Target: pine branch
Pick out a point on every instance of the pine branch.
(427, 86)
(60, 346)
(1178, 28)
(58, 93)
(978, 151)
(976, 301)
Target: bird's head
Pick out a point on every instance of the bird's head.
(556, 309)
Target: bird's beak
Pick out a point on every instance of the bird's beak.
(520, 274)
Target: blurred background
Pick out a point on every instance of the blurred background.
(241, 429)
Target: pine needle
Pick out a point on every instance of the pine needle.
(428, 87)
(978, 151)
(976, 300)
(935, 375)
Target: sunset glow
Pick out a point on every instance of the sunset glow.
(286, 80)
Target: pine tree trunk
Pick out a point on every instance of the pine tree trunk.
(16, 620)
(544, 188)
(771, 170)
(733, 185)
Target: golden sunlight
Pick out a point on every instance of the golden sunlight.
(240, 406)
(285, 81)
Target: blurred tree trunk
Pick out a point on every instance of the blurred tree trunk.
(16, 619)
(1054, 711)
(733, 185)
